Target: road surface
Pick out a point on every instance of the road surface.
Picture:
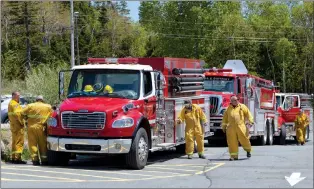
(267, 167)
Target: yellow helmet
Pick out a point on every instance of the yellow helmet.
(88, 88)
(109, 89)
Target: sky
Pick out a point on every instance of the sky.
(133, 6)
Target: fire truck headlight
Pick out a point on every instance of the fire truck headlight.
(125, 122)
(52, 122)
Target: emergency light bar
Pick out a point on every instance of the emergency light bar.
(112, 60)
(214, 69)
(179, 71)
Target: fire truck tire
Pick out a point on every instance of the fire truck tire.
(137, 159)
(282, 139)
(263, 138)
(270, 134)
(58, 158)
(307, 133)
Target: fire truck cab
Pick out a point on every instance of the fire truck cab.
(256, 93)
(288, 105)
(123, 106)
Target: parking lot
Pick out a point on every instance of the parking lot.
(267, 167)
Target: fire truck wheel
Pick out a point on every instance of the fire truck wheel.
(283, 135)
(58, 158)
(137, 157)
(307, 133)
(263, 138)
(270, 135)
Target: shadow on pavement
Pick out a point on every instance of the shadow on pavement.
(116, 162)
(240, 159)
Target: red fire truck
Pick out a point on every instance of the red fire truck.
(288, 105)
(136, 116)
(256, 93)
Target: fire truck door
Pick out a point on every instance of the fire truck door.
(150, 100)
(291, 107)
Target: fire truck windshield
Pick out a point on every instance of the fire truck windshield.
(111, 83)
(219, 84)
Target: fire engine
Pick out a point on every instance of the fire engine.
(256, 93)
(288, 105)
(136, 117)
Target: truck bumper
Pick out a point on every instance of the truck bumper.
(95, 146)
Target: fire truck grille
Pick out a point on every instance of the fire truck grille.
(214, 103)
(94, 120)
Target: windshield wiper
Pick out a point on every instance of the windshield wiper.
(78, 93)
(115, 95)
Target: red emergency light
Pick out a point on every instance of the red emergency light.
(219, 70)
(112, 60)
(215, 70)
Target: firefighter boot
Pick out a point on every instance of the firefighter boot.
(248, 154)
(190, 156)
(201, 156)
(36, 163)
(233, 158)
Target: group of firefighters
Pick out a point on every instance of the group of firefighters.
(35, 116)
(234, 124)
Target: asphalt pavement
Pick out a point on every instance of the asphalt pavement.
(267, 168)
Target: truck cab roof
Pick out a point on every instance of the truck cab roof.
(114, 66)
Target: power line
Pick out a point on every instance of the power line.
(227, 38)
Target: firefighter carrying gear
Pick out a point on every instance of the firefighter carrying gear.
(17, 130)
(233, 124)
(301, 122)
(37, 115)
(194, 119)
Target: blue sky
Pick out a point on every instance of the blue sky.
(133, 6)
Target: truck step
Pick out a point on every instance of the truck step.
(166, 145)
(163, 146)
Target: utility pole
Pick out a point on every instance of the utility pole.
(283, 72)
(72, 35)
(76, 14)
(313, 49)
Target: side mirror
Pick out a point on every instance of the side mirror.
(63, 81)
(61, 84)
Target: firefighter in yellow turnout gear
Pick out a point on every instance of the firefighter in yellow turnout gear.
(301, 122)
(194, 118)
(37, 115)
(233, 124)
(16, 127)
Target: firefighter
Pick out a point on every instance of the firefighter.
(233, 124)
(37, 115)
(194, 118)
(301, 122)
(16, 127)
